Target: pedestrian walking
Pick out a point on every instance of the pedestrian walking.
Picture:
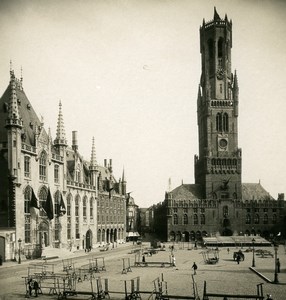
(278, 265)
(227, 250)
(143, 258)
(195, 267)
(173, 260)
(238, 259)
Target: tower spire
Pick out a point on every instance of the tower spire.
(61, 135)
(93, 162)
(13, 111)
(216, 15)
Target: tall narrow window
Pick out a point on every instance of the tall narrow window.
(77, 206)
(175, 219)
(84, 208)
(27, 166)
(27, 197)
(42, 199)
(248, 219)
(220, 48)
(274, 219)
(196, 220)
(218, 122)
(185, 220)
(56, 173)
(77, 217)
(265, 219)
(225, 122)
(91, 209)
(43, 166)
(57, 203)
(203, 220)
(256, 219)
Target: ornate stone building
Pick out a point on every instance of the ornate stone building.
(218, 202)
(50, 196)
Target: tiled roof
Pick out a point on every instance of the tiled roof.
(254, 191)
(187, 192)
(26, 112)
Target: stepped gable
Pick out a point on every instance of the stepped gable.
(26, 113)
(254, 191)
(187, 192)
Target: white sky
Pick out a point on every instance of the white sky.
(127, 73)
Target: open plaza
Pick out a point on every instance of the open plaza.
(120, 270)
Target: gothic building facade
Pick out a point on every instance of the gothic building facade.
(218, 202)
(50, 196)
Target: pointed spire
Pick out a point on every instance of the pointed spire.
(235, 83)
(93, 162)
(216, 15)
(61, 135)
(123, 176)
(13, 112)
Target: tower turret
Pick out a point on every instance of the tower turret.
(93, 166)
(14, 126)
(218, 166)
(123, 183)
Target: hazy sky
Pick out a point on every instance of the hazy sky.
(127, 73)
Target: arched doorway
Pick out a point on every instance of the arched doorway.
(44, 234)
(88, 239)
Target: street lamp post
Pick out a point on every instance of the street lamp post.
(275, 259)
(19, 250)
(253, 257)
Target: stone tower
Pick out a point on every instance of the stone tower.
(218, 165)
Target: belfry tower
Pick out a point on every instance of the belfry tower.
(218, 166)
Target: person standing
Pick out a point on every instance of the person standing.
(173, 260)
(278, 265)
(195, 267)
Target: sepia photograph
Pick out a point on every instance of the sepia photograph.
(143, 149)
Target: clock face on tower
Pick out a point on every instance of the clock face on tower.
(222, 143)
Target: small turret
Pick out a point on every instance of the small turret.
(61, 135)
(93, 166)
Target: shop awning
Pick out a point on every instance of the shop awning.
(132, 233)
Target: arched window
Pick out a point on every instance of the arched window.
(218, 122)
(56, 173)
(42, 200)
(27, 197)
(185, 219)
(175, 219)
(248, 219)
(69, 198)
(43, 166)
(196, 221)
(225, 122)
(57, 229)
(225, 211)
(265, 219)
(256, 219)
(203, 219)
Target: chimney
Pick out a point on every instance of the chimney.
(74, 141)
(110, 165)
(105, 163)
